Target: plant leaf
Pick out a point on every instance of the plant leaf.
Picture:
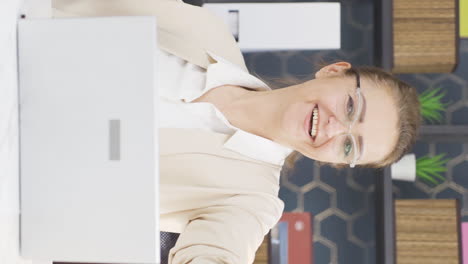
(427, 178)
(431, 104)
(430, 168)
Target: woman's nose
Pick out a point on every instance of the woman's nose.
(335, 127)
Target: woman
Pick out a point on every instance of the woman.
(225, 134)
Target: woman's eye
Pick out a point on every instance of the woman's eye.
(348, 147)
(350, 106)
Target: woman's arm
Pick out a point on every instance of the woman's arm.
(113, 7)
(229, 233)
(184, 30)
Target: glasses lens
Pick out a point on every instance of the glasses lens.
(347, 148)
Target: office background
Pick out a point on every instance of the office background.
(342, 201)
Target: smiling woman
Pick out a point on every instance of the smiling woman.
(225, 135)
(385, 116)
(355, 116)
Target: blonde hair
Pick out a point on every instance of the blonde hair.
(409, 116)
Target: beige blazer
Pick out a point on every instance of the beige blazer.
(222, 203)
(183, 30)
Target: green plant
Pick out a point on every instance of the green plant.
(431, 105)
(430, 168)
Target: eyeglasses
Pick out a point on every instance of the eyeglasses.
(349, 146)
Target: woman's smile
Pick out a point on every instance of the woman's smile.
(311, 123)
(314, 120)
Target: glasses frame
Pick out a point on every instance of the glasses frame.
(357, 154)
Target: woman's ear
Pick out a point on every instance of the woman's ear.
(333, 69)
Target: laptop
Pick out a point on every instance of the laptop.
(89, 140)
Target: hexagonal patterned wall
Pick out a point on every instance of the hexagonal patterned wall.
(342, 201)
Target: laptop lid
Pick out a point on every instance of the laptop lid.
(89, 139)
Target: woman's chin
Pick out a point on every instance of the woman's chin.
(310, 153)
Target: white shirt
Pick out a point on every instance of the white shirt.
(181, 82)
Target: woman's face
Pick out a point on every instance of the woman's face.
(335, 100)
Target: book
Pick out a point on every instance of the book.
(300, 250)
(465, 243)
(279, 243)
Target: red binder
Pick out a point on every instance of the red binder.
(300, 250)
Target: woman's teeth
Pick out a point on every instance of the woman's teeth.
(314, 120)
